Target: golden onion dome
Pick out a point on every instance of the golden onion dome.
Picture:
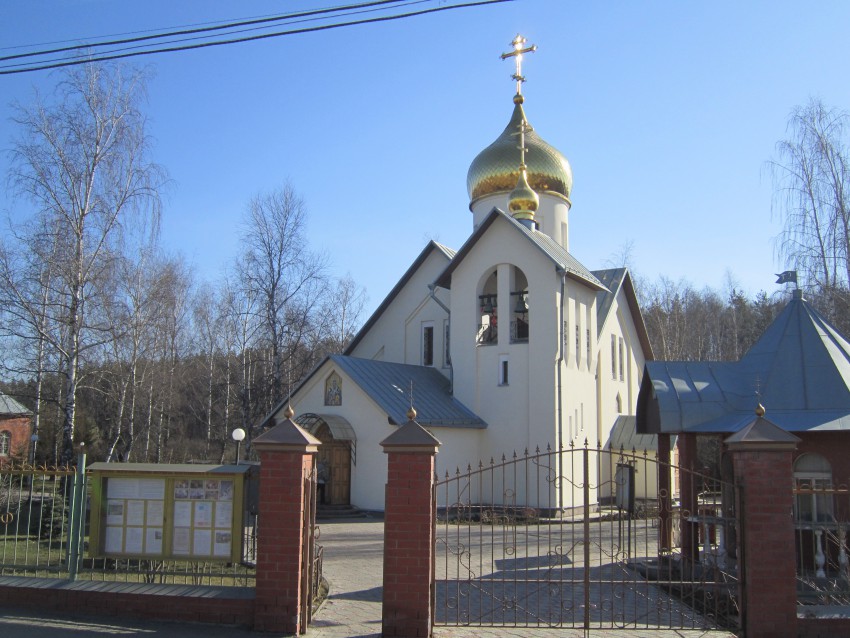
(523, 201)
(496, 168)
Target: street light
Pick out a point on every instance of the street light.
(238, 436)
(33, 444)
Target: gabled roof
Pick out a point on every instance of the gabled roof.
(388, 385)
(799, 370)
(614, 280)
(10, 407)
(429, 248)
(561, 259)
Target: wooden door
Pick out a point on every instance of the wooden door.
(340, 479)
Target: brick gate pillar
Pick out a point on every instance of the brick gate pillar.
(761, 456)
(409, 528)
(287, 455)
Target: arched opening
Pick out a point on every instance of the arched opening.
(337, 454)
(812, 488)
(488, 304)
(519, 306)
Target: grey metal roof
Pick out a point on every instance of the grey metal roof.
(799, 370)
(10, 407)
(388, 384)
(624, 436)
(616, 279)
(339, 426)
(430, 247)
(561, 259)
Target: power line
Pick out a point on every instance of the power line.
(10, 69)
(219, 27)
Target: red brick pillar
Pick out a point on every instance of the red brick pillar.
(761, 455)
(287, 456)
(409, 527)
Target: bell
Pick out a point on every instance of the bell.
(521, 304)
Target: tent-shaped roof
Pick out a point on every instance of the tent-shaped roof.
(799, 369)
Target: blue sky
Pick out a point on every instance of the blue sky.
(667, 112)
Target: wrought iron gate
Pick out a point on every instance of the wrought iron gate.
(586, 538)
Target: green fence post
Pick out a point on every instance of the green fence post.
(78, 514)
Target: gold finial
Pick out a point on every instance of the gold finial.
(760, 410)
(517, 44)
(288, 412)
(411, 413)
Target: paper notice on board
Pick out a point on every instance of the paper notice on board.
(153, 541)
(222, 543)
(114, 540)
(224, 514)
(135, 513)
(122, 488)
(133, 540)
(180, 543)
(115, 512)
(154, 515)
(152, 489)
(203, 514)
(202, 542)
(182, 514)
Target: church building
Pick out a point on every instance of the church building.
(505, 345)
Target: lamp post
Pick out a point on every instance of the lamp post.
(238, 436)
(33, 444)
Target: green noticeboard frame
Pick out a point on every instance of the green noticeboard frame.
(156, 511)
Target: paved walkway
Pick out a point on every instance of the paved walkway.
(353, 566)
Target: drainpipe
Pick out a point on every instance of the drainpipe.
(433, 294)
(560, 363)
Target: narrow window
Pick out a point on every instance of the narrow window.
(5, 443)
(613, 356)
(588, 347)
(622, 359)
(447, 357)
(578, 342)
(503, 370)
(428, 345)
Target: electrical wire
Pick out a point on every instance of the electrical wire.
(115, 55)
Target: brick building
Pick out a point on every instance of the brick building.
(15, 430)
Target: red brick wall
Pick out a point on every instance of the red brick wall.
(73, 599)
(833, 446)
(408, 545)
(20, 429)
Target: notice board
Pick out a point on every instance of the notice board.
(162, 511)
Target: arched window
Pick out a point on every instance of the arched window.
(488, 305)
(619, 404)
(5, 443)
(519, 306)
(812, 489)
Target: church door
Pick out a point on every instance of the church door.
(336, 458)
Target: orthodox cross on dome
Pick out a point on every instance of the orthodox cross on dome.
(517, 44)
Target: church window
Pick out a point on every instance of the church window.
(588, 346)
(813, 489)
(428, 344)
(503, 370)
(333, 390)
(519, 325)
(622, 359)
(578, 342)
(488, 303)
(447, 357)
(5, 443)
(619, 404)
(613, 356)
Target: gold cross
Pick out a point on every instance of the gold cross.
(517, 44)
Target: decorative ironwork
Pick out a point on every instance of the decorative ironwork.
(584, 537)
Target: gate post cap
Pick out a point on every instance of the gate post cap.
(760, 433)
(411, 437)
(287, 436)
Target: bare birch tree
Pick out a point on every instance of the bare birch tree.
(82, 160)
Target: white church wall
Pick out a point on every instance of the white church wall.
(552, 215)
(390, 336)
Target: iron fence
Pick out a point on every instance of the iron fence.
(584, 538)
(822, 522)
